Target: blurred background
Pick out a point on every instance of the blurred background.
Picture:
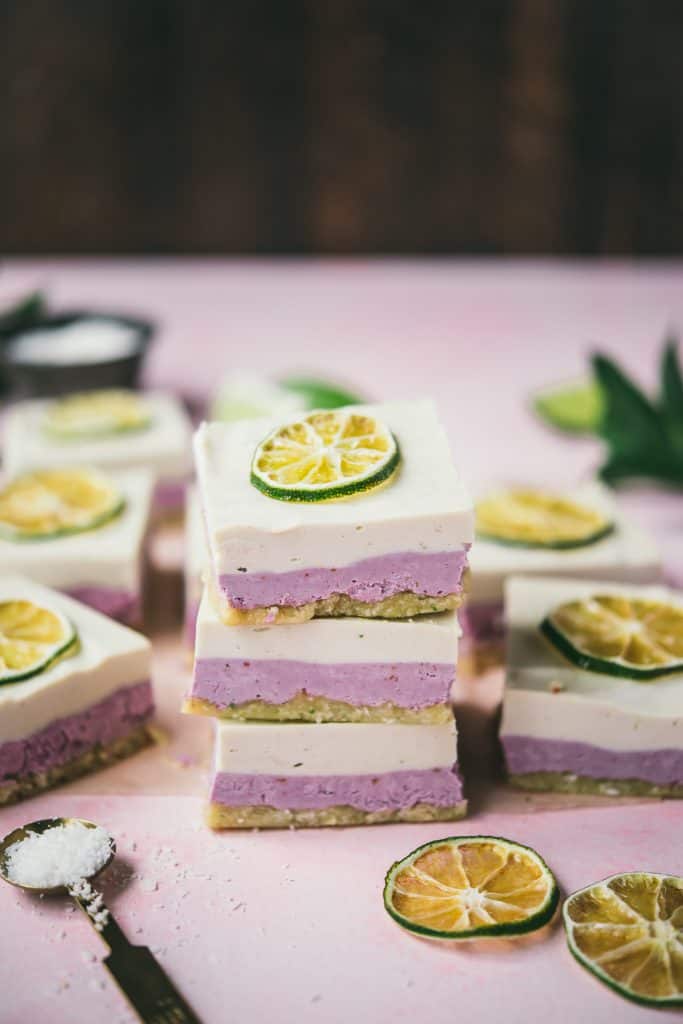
(341, 126)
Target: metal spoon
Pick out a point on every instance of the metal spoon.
(134, 968)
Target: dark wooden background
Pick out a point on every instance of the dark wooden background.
(341, 126)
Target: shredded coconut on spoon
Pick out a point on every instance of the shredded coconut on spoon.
(59, 856)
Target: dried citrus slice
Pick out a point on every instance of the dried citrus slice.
(326, 454)
(628, 931)
(54, 502)
(619, 635)
(471, 887)
(537, 519)
(31, 638)
(90, 414)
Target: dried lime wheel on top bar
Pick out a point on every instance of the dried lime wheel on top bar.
(56, 502)
(628, 931)
(619, 635)
(471, 887)
(523, 517)
(324, 455)
(92, 414)
(31, 639)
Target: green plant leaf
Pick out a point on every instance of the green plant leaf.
(320, 394)
(671, 401)
(28, 311)
(634, 428)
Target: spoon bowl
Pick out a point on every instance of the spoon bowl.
(43, 825)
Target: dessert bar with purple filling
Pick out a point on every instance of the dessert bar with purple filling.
(87, 707)
(393, 551)
(339, 670)
(286, 774)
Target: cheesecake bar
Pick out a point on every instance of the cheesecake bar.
(628, 554)
(572, 730)
(393, 551)
(83, 711)
(102, 567)
(283, 775)
(163, 446)
(334, 670)
(195, 564)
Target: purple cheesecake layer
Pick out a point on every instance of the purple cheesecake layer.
(409, 684)
(429, 574)
(392, 790)
(121, 605)
(67, 738)
(482, 622)
(169, 494)
(525, 754)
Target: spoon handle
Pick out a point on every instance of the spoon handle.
(135, 970)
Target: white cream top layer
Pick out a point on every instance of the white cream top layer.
(196, 552)
(426, 508)
(290, 748)
(111, 657)
(428, 638)
(590, 707)
(109, 556)
(164, 447)
(628, 555)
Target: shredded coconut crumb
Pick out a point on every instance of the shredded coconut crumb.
(58, 856)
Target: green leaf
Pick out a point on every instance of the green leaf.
(634, 429)
(320, 394)
(671, 401)
(24, 313)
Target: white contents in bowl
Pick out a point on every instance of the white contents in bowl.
(84, 341)
(60, 855)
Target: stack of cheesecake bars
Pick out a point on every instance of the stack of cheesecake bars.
(327, 636)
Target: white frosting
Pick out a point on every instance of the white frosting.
(628, 555)
(196, 551)
(602, 710)
(426, 508)
(111, 657)
(164, 447)
(110, 556)
(428, 638)
(91, 340)
(291, 748)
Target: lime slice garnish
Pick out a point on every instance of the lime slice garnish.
(31, 638)
(617, 635)
(327, 454)
(628, 931)
(54, 502)
(574, 407)
(92, 414)
(536, 519)
(471, 887)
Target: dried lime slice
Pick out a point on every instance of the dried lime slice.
(55, 502)
(92, 414)
(537, 519)
(619, 635)
(471, 887)
(628, 931)
(326, 454)
(31, 639)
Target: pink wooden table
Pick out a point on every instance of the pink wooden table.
(290, 926)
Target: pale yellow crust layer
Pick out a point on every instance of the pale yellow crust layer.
(400, 606)
(92, 760)
(562, 782)
(220, 816)
(302, 708)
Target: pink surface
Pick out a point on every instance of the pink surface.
(289, 926)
